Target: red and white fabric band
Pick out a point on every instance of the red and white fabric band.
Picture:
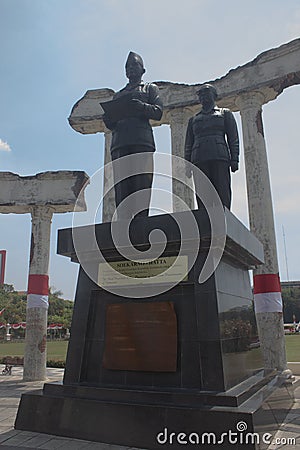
(267, 293)
(38, 290)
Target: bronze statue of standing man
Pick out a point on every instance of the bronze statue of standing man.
(132, 134)
(212, 144)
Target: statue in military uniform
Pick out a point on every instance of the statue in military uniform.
(212, 144)
(133, 134)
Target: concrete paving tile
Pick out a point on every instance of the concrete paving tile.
(295, 420)
(102, 446)
(7, 422)
(7, 414)
(4, 429)
(7, 409)
(287, 447)
(20, 438)
(9, 406)
(10, 418)
(285, 440)
(5, 417)
(290, 428)
(54, 444)
(76, 444)
(292, 417)
(9, 392)
(9, 402)
(9, 447)
(8, 434)
(37, 440)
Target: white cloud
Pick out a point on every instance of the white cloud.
(4, 146)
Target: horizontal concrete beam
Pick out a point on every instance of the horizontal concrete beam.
(270, 73)
(57, 190)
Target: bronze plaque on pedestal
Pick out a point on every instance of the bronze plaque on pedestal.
(141, 336)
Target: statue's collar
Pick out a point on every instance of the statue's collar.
(134, 85)
(215, 108)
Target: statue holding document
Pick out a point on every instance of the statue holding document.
(127, 116)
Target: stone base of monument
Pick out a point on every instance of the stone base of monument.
(179, 368)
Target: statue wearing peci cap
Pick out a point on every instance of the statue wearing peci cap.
(135, 105)
(212, 144)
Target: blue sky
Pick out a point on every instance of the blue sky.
(53, 51)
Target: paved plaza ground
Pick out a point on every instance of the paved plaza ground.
(12, 386)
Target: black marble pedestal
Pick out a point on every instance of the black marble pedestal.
(218, 391)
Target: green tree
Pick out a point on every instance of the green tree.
(291, 304)
(13, 305)
(60, 311)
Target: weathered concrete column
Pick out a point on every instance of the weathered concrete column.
(2, 265)
(109, 204)
(41, 195)
(37, 295)
(178, 119)
(267, 292)
(8, 335)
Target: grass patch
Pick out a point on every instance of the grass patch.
(56, 350)
(292, 345)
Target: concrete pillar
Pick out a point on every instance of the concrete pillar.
(41, 195)
(267, 292)
(178, 119)
(2, 265)
(37, 295)
(8, 335)
(109, 204)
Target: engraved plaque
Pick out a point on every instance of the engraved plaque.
(141, 336)
(168, 269)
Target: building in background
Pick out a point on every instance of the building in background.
(290, 284)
